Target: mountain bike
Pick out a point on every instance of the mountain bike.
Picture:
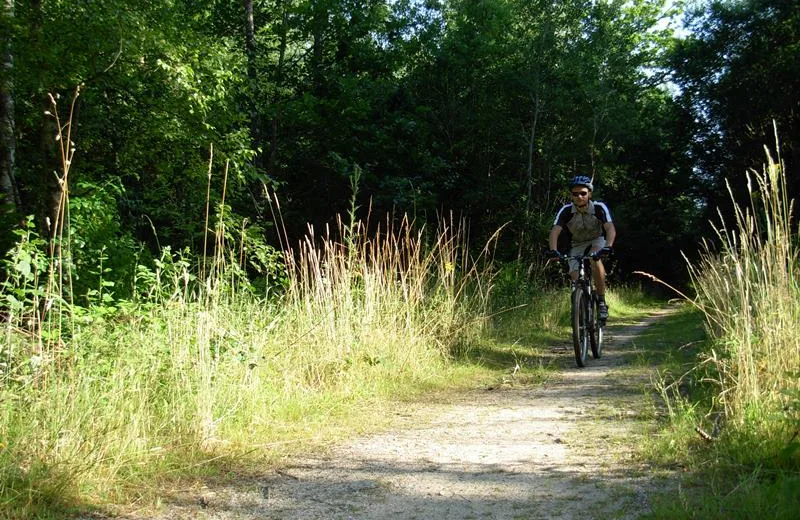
(587, 328)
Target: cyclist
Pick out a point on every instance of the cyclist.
(589, 224)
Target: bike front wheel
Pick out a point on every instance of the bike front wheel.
(580, 326)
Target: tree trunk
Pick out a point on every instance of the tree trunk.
(319, 21)
(532, 153)
(252, 76)
(273, 146)
(9, 193)
(530, 181)
(50, 191)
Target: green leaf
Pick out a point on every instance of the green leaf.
(24, 268)
(13, 303)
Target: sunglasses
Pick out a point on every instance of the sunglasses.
(580, 193)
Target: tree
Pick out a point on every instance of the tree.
(156, 92)
(738, 71)
(480, 107)
(523, 95)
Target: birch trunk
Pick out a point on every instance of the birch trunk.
(8, 145)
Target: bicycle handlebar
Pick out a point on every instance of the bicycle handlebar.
(602, 253)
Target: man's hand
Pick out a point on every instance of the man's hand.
(606, 251)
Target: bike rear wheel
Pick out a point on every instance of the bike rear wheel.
(597, 341)
(597, 327)
(580, 326)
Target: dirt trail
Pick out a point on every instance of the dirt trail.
(561, 450)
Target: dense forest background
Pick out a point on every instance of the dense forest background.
(480, 109)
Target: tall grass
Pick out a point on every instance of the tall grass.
(195, 371)
(750, 295)
(742, 393)
(375, 289)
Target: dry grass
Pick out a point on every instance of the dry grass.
(96, 402)
(750, 296)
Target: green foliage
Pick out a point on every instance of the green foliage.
(102, 252)
(481, 108)
(737, 71)
(515, 284)
(167, 279)
(257, 264)
(155, 93)
(25, 268)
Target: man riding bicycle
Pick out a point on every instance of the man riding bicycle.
(590, 226)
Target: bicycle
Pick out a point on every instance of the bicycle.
(587, 328)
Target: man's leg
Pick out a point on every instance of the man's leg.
(599, 275)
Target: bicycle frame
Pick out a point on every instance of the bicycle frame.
(587, 330)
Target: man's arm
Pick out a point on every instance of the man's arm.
(611, 234)
(554, 236)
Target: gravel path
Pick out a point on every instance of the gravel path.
(561, 450)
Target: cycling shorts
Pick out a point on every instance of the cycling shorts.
(579, 248)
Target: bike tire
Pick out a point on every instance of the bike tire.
(601, 331)
(596, 330)
(580, 326)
